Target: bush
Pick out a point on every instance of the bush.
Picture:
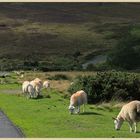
(91, 67)
(106, 86)
(103, 66)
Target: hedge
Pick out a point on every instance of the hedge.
(107, 86)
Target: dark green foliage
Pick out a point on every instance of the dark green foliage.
(47, 96)
(65, 96)
(126, 54)
(103, 66)
(106, 86)
(60, 64)
(91, 67)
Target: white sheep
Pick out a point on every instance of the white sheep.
(46, 84)
(77, 99)
(37, 79)
(131, 113)
(24, 86)
(37, 85)
(28, 89)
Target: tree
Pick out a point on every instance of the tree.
(126, 54)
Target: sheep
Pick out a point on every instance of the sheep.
(77, 99)
(46, 84)
(38, 80)
(37, 85)
(28, 89)
(131, 113)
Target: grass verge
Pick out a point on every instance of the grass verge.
(49, 117)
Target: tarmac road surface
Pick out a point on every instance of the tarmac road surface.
(8, 129)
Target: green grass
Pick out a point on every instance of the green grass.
(49, 117)
(9, 86)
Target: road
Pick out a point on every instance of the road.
(8, 129)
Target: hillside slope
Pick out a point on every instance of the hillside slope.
(54, 36)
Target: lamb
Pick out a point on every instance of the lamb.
(77, 99)
(28, 89)
(131, 113)
(37, 85)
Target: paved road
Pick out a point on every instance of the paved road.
(8, 129)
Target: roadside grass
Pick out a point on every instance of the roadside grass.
(49, 117)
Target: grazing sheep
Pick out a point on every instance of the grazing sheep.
(24, 86)
(131, 113)
(38, 80)
(28, 89)
(37, 85)
(77, 99)
(46, 84)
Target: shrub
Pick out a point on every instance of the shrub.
(91, 67)
(106, 86)
(103, 66)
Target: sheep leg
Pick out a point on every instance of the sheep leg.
(84, 108)
(78, 110)
(28, 95)
(135, 127)
(130, 125)
(24, 91)
(35, 93)
(39, 92)
(32, 94)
